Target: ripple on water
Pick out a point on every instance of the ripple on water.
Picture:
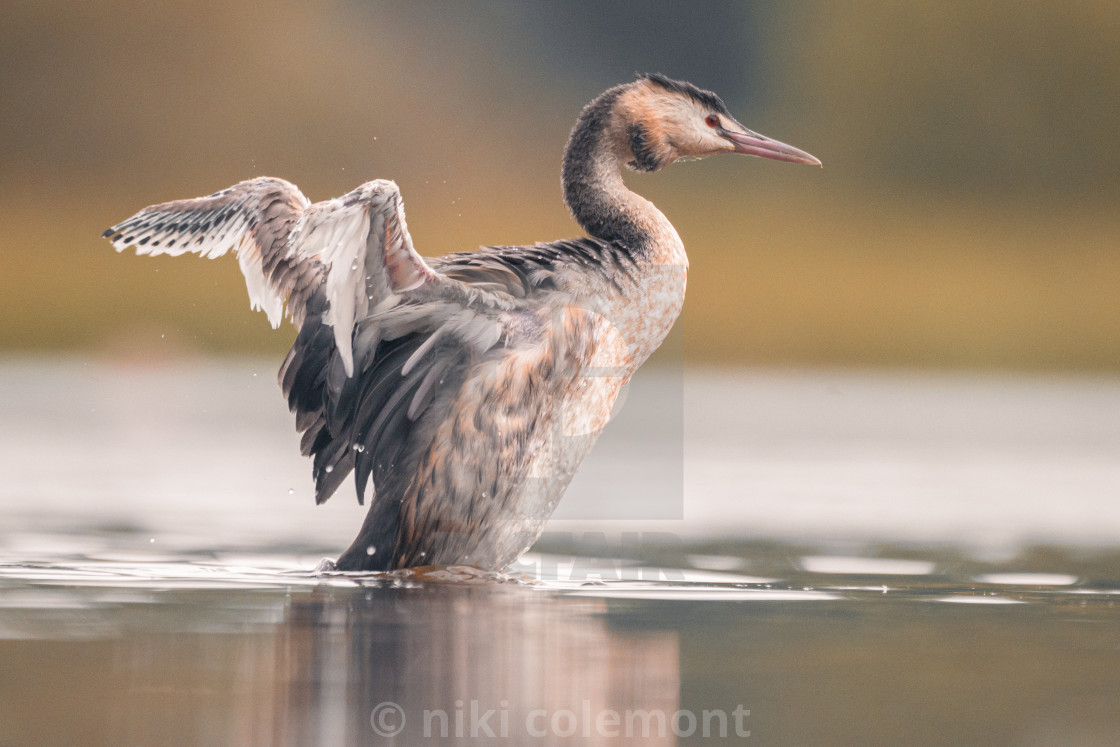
(813, 577)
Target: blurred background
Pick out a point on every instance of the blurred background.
(965, 217)
(901, 373)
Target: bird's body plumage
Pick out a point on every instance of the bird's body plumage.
(461, 392)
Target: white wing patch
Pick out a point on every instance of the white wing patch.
(363, 240)
(262, 296)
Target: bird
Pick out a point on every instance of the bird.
(461, 392)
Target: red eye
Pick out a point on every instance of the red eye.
(711, 120)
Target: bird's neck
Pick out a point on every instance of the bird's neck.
(595, 193)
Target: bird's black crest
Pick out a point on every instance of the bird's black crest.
(699, 95)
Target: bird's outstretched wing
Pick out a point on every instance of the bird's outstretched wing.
(385, 342)
(254, 218)
(357, 246)
(363, 241)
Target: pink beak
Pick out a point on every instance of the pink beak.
(752, 144)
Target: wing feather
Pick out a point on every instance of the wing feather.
(363, 240)
(357, 246)
(253, 219)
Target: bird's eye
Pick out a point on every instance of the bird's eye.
(711, 120)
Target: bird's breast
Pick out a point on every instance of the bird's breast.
(638, 305)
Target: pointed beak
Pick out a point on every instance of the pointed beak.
(752, 144)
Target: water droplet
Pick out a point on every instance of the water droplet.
(291, 491)
(153, 539)
(423, 554)
(371, 550)
(329, 468)
(162, 336)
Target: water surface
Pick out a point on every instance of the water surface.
(857, 559)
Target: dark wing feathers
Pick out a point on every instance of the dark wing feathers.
(379, 422)
(372, 422)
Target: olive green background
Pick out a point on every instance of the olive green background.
(965, 217)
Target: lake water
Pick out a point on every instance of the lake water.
(810, 557)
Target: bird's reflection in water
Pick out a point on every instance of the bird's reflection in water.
(311, 664)
(443, 656)
(103, 654)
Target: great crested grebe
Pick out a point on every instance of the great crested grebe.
(467, 388)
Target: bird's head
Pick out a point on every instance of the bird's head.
(661, 120)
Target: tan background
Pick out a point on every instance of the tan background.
(965, 217)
